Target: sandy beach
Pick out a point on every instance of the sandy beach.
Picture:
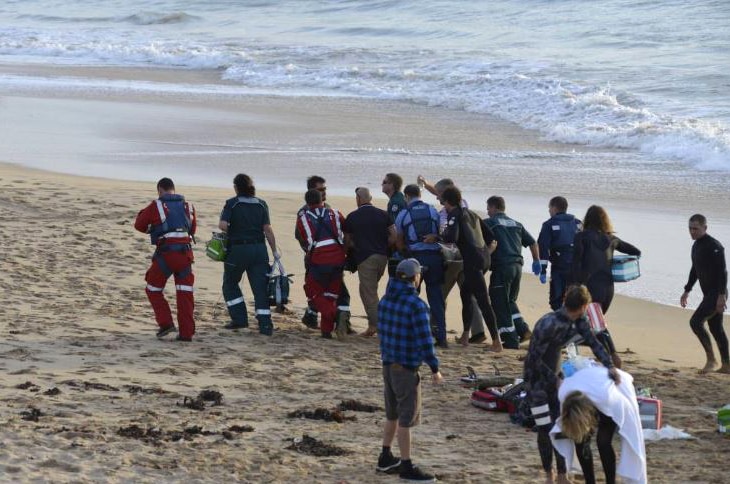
(615, 103)
(112, 401)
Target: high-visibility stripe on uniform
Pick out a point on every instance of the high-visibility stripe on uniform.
(541, 409)
(307, 230)
(324, 243)
(263, 311)
(507, 330)
(544, 262)
(543, 420)
(174, 234)
(316, 214)
(516, 316)
(154, 289)
(161, 211)
(233, 302)
(330, 294)
(182, 287)
(340, 236)
(343, 308)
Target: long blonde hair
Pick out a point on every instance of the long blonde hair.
(578, 416)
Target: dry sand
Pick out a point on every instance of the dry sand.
(77, 326)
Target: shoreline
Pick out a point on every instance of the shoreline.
(280, 141)
(628, 315)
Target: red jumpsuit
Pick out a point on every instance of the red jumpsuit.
(173, 256)
(320, 231)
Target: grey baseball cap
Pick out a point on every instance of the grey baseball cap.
(408, 268)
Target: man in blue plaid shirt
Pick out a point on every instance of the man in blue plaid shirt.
(405, 343)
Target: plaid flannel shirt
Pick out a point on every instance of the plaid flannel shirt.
(404, 328)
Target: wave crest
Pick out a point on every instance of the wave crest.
(155, 18)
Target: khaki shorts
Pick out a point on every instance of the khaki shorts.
(402, 392)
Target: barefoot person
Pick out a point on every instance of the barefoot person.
(552, 332)
(708, 266)
(476, 243)
(405, 343)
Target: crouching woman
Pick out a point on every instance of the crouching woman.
(591, 404)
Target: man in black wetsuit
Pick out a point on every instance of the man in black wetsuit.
(476, 243)
(708, 266)
(551, 333)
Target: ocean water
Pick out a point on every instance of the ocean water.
(644, 84)
(648, 76)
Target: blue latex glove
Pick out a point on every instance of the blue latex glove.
(543, 278)
(536, 267)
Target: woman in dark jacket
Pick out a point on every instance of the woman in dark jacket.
(593, 251)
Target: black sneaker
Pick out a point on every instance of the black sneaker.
(478, 338)
(310, 319)
(233, 325)
(165, 331)
(326, 335)
(414, 474)
(442, 344)
(388, 463)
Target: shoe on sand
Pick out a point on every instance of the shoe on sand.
(478, 338)
(414, 474)
(388, 463)
(166, 330)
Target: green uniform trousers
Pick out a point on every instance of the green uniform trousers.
(253, 259)
(504, 287)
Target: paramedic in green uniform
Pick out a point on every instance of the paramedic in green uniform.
(245, 218)
(504, 283)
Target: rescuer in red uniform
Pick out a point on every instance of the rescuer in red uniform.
(170, 221)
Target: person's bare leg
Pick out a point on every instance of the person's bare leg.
(463, 340)
(549, 478)
(711, 363)
(495, 347)
(563, 479)
(724, 368)
(404, 442)
(389, 432)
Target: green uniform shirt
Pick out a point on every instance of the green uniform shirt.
(246, 217)
(511, 236)
(396, 203)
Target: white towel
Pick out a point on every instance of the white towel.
(619, 403)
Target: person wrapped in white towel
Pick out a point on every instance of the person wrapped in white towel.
(591, 403)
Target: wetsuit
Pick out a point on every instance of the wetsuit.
(708, 266)
(472, 237)
(556, 247)
(551, 333)
(593, 252)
